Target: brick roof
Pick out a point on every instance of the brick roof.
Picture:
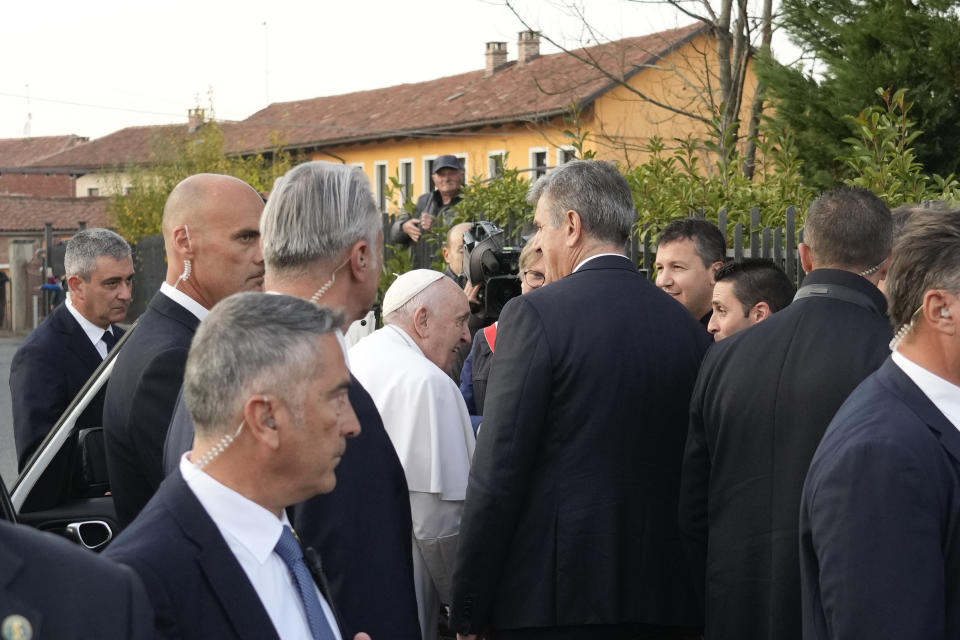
(24, 213)
(542, 88)
(133, 145)
(17, 152)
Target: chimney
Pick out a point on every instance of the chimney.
(195, 119)
(496, 57)
(528, 46)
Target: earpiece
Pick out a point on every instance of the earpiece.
(186, 230)
(944, 313)
(270, 421)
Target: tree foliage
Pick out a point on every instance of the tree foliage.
(138, 212)
(857, 46)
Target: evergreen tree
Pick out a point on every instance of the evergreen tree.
(860, 46)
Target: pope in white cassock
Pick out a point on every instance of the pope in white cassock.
(405, 368)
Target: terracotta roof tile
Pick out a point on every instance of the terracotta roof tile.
(543, 87)
(24, 213)
(133, 145)
(18, 152)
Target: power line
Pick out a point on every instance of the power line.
(93, 106)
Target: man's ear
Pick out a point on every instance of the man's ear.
(572, 226)
(74, 282)
(713, 271)
(884, 267)
(182, 241)
(937, 312)
(363, 263)
(263, 416)
(421, 322)
(806, 257)
(760, 311)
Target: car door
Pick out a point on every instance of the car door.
(64, 486)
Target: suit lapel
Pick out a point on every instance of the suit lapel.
(11, 603)
(227, 579)
(917, 400)
(76, 339)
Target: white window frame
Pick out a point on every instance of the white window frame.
(561, 149)
(413, 178)
(502, 153)
(380, 191)
(546, 160)
(427, 179)
(464, 159)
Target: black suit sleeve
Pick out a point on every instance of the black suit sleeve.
(40, 395)
(694, 488)
(517, 402)
(139, 611)
(875, 534)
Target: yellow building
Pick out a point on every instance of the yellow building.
(520, 108)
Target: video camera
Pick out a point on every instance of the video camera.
(486, 261)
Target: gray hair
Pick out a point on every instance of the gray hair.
(849, 228)
(926, 256)
(86, 246)
(315, 213)
(252, 343)
(593, 189)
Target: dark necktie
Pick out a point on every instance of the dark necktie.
(109, 340)
(288, 548)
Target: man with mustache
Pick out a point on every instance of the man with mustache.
(212, 238)
(54, 362)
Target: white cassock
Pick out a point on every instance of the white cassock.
(428, 423)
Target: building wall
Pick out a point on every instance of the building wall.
(106, 183)
(619, 125)
(37, 184)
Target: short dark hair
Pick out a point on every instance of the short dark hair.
(709, 240)
(849, 228)
(758, 280)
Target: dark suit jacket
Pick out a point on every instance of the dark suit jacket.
(140, 398)
(763, 400)
(361, 529)
(65, 592)
(197, 586)
(48, 370)
(570, 515)
(880, 518)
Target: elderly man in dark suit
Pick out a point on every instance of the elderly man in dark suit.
(322, 241)
(763, 400)
(50, 588)
(569, 528)
(212, 239)
(267, 387)
(56, 360)
(879, 526)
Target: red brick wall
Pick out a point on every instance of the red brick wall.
(37, 184)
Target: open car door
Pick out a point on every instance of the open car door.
(64, 486)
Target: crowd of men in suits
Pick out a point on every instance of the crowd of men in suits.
(727, 463)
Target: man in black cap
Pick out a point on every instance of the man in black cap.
(448, 180)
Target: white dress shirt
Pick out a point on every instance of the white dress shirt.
(93, 332)
(944, 395)
(599, 255)
(184, 301)
(252, 532)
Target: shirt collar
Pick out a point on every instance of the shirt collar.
(944, 395)
(94, 333)
(599, 255)
(405, 338)
(184, 301)
(235, 515)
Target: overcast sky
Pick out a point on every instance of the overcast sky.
(90, 68)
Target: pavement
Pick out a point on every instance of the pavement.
(8, 453)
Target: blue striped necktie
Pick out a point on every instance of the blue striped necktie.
(288, 548)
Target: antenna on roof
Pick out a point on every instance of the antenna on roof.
(26, 127)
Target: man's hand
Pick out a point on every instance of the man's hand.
(412, 228)
(472, 636)
(362, 636)
(472, 291)
(426, 220)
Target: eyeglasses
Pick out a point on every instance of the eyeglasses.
(534, 279)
